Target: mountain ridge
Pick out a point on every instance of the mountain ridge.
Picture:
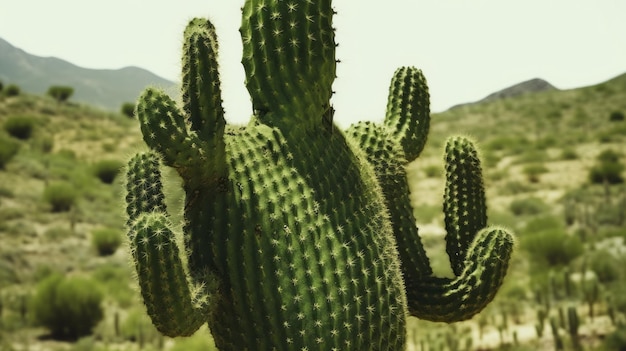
(103, 88)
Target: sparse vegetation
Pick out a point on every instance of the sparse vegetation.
(60, 93)
(106, 240)
(128, 109)
(68, 307)
(616, 116)
(608, 168)
(107, 170)
(12, 90)
(8, 149)
(61, 196)
(20, 127)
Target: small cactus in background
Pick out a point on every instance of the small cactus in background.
(297, 235)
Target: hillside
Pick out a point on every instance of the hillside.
(537, 151)
(107, 89)
(531, 86)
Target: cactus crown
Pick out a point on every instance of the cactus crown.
(297, 235)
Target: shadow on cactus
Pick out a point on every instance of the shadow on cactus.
(297, 235)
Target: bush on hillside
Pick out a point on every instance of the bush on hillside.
(527, 206)
(606, 266)
(20, 127)
(61, 196)
(12, 90)
(107, 170)
(128, 109)
(106, 240)
(60, 93)
(68, 307)
(608, 168)
(8, 150)
(534, 171)
(552, 247)
(1, 86)
(616, 116)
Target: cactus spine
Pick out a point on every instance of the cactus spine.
(298, 236)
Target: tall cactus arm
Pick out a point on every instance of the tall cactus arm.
(191, 140)
(479, 261)
(464, 206)
(460, 298)
(174, 307)
(408, 111)
(289, 59)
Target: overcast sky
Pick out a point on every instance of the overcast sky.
(466, 48)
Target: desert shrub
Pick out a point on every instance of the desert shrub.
(606, 266)
(106, 240)
(68, 307)
(46, 144)
(107, 170)
(608, 168)
(616, 116)
(128, 109)
(61, 196)
(541, 223)
(20, 127)
(615, 341)
(515, 187)
(8, 150)
(552, 247)
(114, 279)
(527, 206)
(60, 93)
(137, 325)
(12, 90)
(569, 154)
(534, 171)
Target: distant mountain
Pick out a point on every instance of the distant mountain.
(535, 85)
(104, 88)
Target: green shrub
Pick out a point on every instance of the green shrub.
(606, 266)
(61, 196)
(534, 171)
(106, 240)
(1, 86)
(60, 93)
(616, 116)
(615, 341)
(20, 127)
(12, 90)
(68, 307)
(107, 170)
(114, 280)
(8, 150)
(128, 109)
(542, 223)
(608, 168)
(552, 247)
(569, 154)
(527, 206)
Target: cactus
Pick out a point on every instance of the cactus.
(297, 235)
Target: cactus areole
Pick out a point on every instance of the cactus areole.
(297, 235)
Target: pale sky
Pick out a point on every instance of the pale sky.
(466, 48)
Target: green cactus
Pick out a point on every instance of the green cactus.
(297, 236)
